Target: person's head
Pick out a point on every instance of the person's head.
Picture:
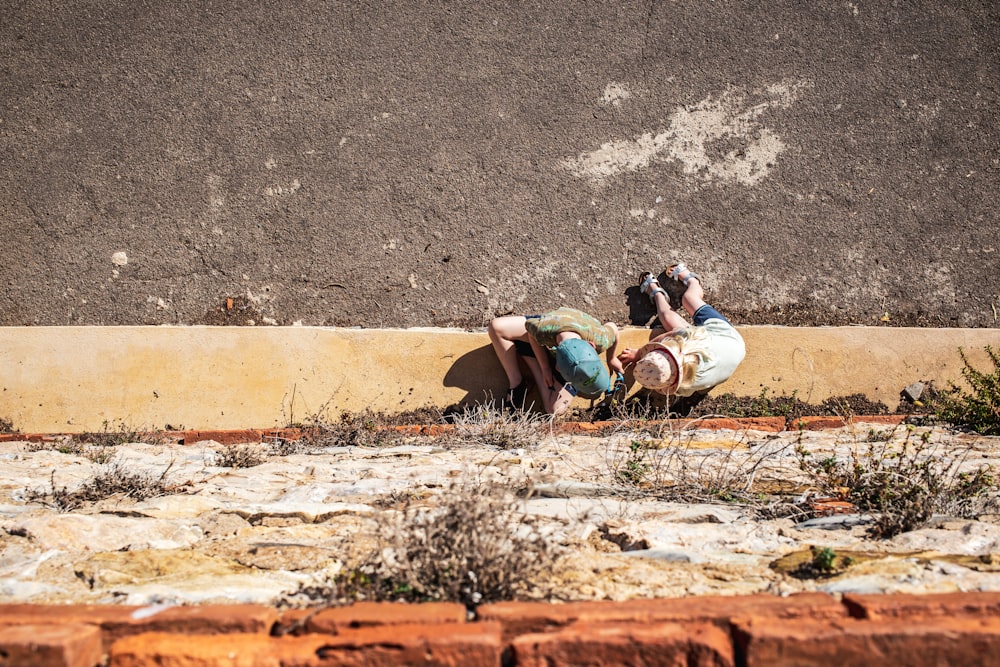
(658, 368)
(580, 365)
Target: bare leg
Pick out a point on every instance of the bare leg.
(694, 293)
(669, 318)
(503, 332)
(554, 401)
(694, 296)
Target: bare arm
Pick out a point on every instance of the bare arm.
(631, 355)
(614, 363)
(542, 356)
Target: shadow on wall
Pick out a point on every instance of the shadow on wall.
(480, 374)
(640, 310)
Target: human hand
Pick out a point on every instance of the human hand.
(628, 356)
(619, 385)
(549, 379)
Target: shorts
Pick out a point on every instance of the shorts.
(524, 349)
(706, 313)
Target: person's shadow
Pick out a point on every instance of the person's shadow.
(480, 374)
(642, 312)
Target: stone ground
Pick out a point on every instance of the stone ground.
(257, 534)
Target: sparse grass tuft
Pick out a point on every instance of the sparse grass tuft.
(112, 436)
(241, 456)
(353, 429)
(474, 547)
(72, 446)
(113, 479)
(979, 408)
(669, 467)
(634, 466)
(487, 425)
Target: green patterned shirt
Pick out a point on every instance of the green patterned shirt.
(544, 328)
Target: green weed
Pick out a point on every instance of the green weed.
(978, 408)
(905, 483)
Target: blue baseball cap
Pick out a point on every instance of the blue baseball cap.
(579, 364)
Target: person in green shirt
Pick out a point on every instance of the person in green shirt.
(561, 349)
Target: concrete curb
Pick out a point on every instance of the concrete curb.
(74, 379)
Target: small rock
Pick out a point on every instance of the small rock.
(836, 521)
(914, 391)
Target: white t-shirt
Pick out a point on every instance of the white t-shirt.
(718, 349)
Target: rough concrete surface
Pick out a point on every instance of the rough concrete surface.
(431, 164)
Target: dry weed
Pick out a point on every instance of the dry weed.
(486, 425)
(112, 479)
(475, 546)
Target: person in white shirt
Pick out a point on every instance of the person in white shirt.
(689, 359)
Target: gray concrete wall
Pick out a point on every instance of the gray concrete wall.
(399, 163)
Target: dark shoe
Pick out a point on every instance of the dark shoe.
(515, 397)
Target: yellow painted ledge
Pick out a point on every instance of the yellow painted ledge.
(70, 379)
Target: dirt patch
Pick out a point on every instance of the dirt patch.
(233, 312)
(649, 405)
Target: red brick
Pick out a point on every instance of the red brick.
(445, 645)
(368, 614)
(935, 604)
(626, 644)
(116, 622)
(229, 437)
(771, 424)
(82, 614)
(28, 437)
(584, 427)
(64, 645)
(272, 434)
(203, 620)
(530, 617)
(861, 643)
(816, 423)
(158, 649)
(431, 644)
